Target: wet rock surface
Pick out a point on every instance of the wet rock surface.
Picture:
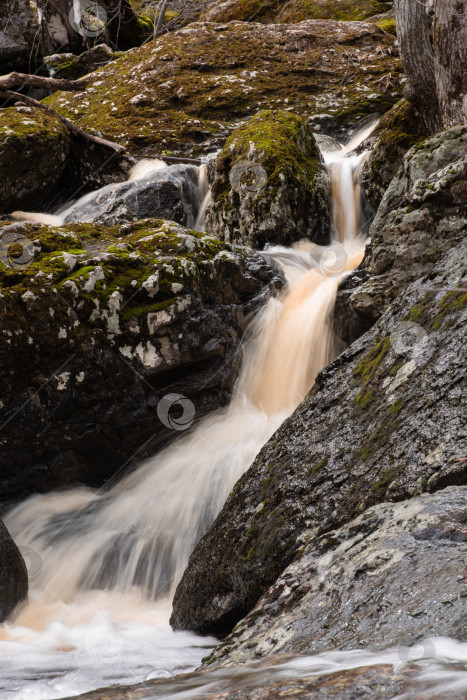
(184, 93)
(13, 575)
(270, 185)
(422, 215)
(170, 193)
(96, 326)
(394, 576)
(380, 681)
(382, 423)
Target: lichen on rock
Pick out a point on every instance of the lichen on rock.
(184, 93)
(97, 325)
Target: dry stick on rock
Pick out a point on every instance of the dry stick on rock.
(69, 124)
(12, 80)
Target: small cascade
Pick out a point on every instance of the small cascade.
(107, 557)
(144, 169)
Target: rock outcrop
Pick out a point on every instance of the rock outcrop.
(382, 423)
(422, 215)
(171, 193)
(270, 185)
(20, 46)
(393, 577)
(13, 575)
(398, 130)
(274, 10)
(96, 326)
(184, 93)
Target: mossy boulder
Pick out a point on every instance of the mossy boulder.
(13, 575)
(282, 10)
(73, 67)
(269, 184)
(96, 326)
(184, 93)
(43, 165)
(383, 423)
(422, 215)
(398, 130)
(33, 151)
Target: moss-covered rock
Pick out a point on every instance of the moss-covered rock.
(33, 150)
(72, 67)
(398, 130)
(96, 326)
(269, 184)
(182, 94)
(285, 11)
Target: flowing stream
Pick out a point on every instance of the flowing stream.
(104, 565)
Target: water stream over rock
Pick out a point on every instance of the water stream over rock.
(104, 565)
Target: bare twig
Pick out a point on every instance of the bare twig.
(68, 123)
(12, 80)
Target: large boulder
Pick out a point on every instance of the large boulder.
(170, 193)
(97, 325)
(13, 575)
(183, 93)
(20, 45)
(422, 215)
(349, 588)
(382, 423)
(270, 184)
(273, 10)
(398, 130)
(42, 163)
(33, 151)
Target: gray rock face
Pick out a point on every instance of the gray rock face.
(422, 215)
(382, 423)
(171, 193)
(392, 577)
(20, 46)
(269, 184)
(13, 575)
(97, 328)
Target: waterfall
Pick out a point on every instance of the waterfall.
(116, 555)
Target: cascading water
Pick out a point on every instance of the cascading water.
(104, 564)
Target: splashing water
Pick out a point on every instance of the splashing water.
(143, 169)
(104, 564)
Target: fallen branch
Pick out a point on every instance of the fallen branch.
(12, 80)
(68, 123)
